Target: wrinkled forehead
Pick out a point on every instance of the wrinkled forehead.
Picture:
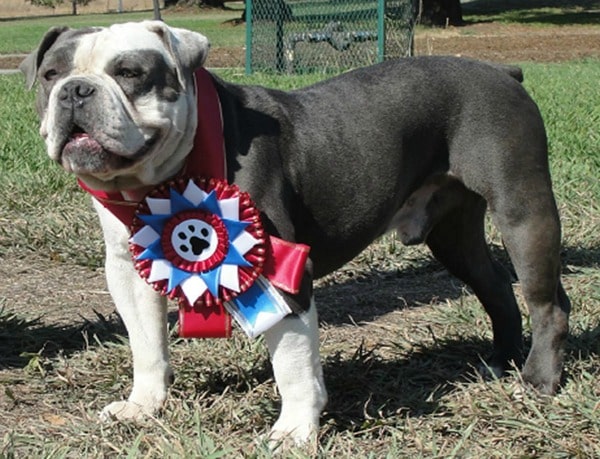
(94, 51)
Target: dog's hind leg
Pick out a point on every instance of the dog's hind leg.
(458, 241)
(531, 232)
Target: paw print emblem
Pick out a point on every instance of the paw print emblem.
(191, 241)
(194, 240)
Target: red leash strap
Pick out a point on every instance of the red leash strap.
(216, 323)
(208, 157)
(207, 160)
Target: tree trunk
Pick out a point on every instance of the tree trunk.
(74, 7)
(441, 13)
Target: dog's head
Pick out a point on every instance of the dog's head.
(117, 104)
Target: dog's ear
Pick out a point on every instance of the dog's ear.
(32, 62)
(189, 49)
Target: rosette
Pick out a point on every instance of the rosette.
(200, 241)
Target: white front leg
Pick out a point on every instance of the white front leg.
(294, 347)
(144, 313)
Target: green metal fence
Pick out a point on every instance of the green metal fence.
(302, 36)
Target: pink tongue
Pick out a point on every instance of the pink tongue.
(82, 143)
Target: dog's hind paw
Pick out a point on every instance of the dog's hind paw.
(125, 410)
(489, 371)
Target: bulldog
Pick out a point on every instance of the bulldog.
(419, 145)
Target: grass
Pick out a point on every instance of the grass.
(399, 336)
(21, 36)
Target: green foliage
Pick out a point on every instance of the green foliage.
(47, 3)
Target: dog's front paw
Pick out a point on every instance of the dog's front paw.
(290, 432)
(124, 410)
(132, 410)
(146, 398)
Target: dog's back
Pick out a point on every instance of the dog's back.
(378, 133)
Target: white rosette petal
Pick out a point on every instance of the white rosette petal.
(193, 288)
(145, 237)
(194, 194)
(161, 270)
(159, 206)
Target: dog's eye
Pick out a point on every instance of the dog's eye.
(50, 75)
(127, 73)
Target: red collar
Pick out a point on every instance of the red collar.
(206, 159)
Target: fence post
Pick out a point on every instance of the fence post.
(248, 37)
(279, 21)
(380, 30)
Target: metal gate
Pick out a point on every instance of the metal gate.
(326, 36)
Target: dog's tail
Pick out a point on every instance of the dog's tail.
(512, 70)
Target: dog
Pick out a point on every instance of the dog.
(420, 145)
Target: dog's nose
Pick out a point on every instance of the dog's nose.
(75, 93)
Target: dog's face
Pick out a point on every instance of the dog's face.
(117, 104)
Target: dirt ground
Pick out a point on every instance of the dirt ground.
(512, 42)
(489, 41)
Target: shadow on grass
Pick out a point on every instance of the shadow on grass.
(358, 298)
(556, 12)
(376, 293)
(366, 389)
(21, 339)
(584, 344)
(581, 257)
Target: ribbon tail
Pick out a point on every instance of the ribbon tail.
(284, 264)
(213, 322)
(258, 308)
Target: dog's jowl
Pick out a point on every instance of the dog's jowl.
(432, 141)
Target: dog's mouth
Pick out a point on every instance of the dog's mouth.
(80, 142)
(84, 153)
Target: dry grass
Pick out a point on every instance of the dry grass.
(399, 370)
